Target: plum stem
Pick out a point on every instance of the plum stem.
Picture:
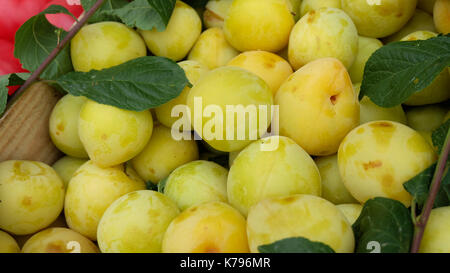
(434, 189)
(60, 46)
(413, 211)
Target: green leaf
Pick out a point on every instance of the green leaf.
(54, 9)
(397, 70)
(419, 185)
(143, 14)
(137, 85)
(18, 78)
(87, 4)
(106, 12)
(147, 14)
(384, 222)
(439, 135)
(34, 41)
(4, 81)
(443, 196)
(295, 245)
(10, 80)
(14, 79)
(162, 184)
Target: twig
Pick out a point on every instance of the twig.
(413, 211)
(35, 75)
(435, 185)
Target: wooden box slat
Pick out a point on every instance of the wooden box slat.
(24, 126)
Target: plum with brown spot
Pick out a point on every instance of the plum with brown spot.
(376, 161)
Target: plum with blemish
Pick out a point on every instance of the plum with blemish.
(59, 222)
(136, 223)
(307, 216)
(377, 19)
(309, 5)
(419, 35)
(326, 32)
(112, 136)
(63, 126)
(31, 194)
(212, 49)
(318, 106)
(438, 90)
(91, 190)
(273, 69)
(294, 8)
(376, 158)
(104, 45)
(59, 240)
(213, 227)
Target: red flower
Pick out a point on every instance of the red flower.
(13, 13)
